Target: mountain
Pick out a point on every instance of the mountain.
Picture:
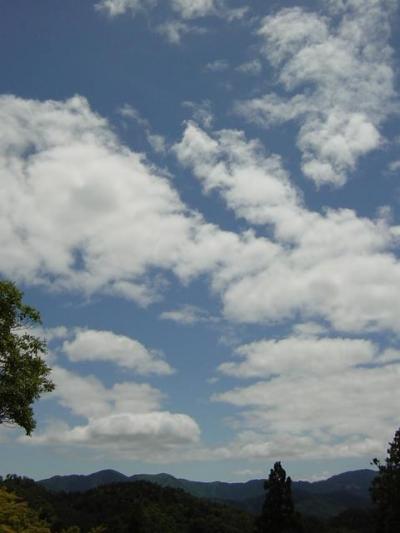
(356, 482)
(325, 498)
(127, 507)
(320, 498)
(216, 490)
(82, 483)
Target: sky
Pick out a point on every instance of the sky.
(202, 199)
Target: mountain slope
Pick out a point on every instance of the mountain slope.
(321, 498)
(131, 506)
(82, 483)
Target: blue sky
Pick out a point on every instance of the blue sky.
(202, 199)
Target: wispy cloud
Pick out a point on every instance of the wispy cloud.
(344, 79)
(219, 65)
(187, 315)
(182, 13)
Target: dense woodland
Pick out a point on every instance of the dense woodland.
(143, 507)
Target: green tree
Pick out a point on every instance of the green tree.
(385, 489)
(24, 375)
(278, 514)
(17, 517)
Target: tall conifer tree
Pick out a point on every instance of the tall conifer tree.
(385, 490)
(278, 513)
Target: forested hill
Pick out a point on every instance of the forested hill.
(321, 498)
(129, 507)
(356, 482)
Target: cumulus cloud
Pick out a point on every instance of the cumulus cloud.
(64, 151)
(344, 77)
(146, 436)
(253, 185)
(299, 355)
(87, 396)
(334, 265)
(81, 211)
(259, 445)
(94, 345)
(124, 419)
(327, 397)
(113, 219)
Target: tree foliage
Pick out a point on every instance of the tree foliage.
(135, 507)
(278, 513)
(385, 490)
(24, 375)
(16, 516)
(143, 507)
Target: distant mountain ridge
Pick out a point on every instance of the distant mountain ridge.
(323, 498)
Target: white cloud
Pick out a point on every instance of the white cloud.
(254, 186)
(114, 223)
(219, 65)
(347, 70)
(87, 396)
(186, 314)
(322, 397)
(48, 334)
(258, 445)
(173, 30)
(394, 166)
(309, 329)
(94, 345)
(182, 14)
(189, 9)
(299, 355)
(130, 112)
(124, 419)
(119, 7)
(139, 434)
(186, 9)
(201, 112)
(336, 266)
(252, 67)
(81, 211)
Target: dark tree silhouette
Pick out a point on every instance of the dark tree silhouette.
(385, 490)
(24, 375)
(278, 514)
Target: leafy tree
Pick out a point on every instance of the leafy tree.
(385, 490)
(24, 375)
(16, 516)
(278, 514)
